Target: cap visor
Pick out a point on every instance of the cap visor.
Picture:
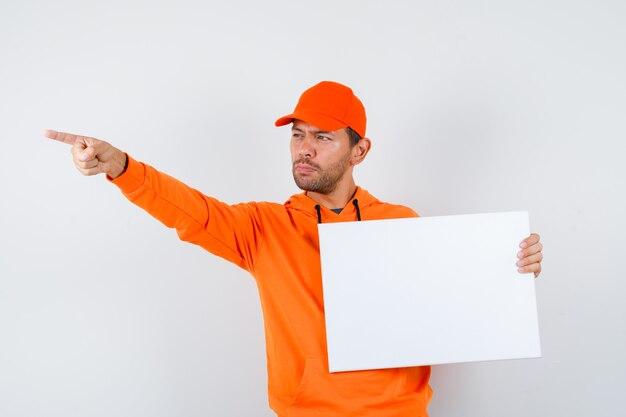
(321, 121)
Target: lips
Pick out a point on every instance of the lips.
(304, 168)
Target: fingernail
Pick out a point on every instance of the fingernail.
(519, 263)
(84, 156)
(520, 254)
(519, 270)
(523, 245)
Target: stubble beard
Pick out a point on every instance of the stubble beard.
(326, 181)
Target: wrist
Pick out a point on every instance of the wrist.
(119, 165)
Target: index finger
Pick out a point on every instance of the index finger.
(68, 138)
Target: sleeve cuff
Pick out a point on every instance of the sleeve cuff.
(132, 179)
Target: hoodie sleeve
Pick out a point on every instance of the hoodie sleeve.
(231, 232)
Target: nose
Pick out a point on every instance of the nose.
(307, 147)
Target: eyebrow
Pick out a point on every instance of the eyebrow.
(315, 131)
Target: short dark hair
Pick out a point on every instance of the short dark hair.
(354, 137)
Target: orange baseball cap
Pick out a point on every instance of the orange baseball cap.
(329, 106)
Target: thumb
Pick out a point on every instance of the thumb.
(88, 152)
(95, 149)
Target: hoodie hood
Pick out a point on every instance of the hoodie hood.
(360, 201)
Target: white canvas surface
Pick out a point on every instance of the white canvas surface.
(425, 291)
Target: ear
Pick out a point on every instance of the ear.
(360, 151)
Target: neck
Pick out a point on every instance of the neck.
(338, 198)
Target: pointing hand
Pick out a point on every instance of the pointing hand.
(92, 156)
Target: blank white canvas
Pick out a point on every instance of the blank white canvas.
(428, 290)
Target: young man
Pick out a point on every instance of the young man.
(278, 244)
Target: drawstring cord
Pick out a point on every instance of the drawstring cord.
(318, 209)
(358, 210)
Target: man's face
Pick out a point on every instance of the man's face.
(320, 158)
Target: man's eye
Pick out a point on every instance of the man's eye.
(320, 137)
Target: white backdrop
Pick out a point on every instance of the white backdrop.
(475, 106)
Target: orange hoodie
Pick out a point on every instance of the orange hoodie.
(278, 245)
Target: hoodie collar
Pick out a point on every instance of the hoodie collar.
(301, 202)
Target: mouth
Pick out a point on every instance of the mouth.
(304, 168)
